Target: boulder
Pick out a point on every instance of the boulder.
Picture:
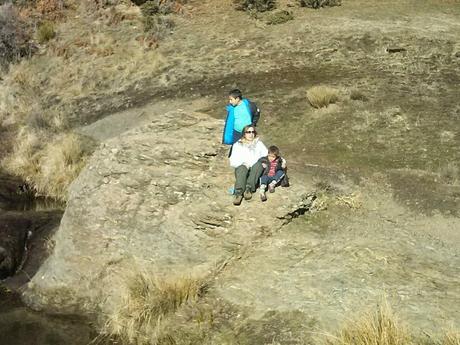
(153, 198)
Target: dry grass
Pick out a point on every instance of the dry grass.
(450, 173)
(49, 168)
(322, 96)
(452, 337)
(378, 328)
(146, 303)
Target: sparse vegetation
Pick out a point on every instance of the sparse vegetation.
(380, 327)
(254, 5)
(322, 96)
(357, 95)
(15, 38)
(45, 32)
(319, 3)
(48, 164)
(450, 173)
(147, 302)
(279, 17)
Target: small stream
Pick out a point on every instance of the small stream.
(26, 228)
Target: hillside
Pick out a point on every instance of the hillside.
(373, 208)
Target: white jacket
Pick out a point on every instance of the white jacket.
(247, 153)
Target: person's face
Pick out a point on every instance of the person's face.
(249, 133)
(271, 157)
(233, 101)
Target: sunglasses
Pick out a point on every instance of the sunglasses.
(250, 132)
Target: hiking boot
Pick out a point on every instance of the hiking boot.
(271, 187)
(237, 200)
(263, 196)
(247, 194)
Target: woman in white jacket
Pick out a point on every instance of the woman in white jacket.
(245, 159)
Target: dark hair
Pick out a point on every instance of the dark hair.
(250, 126)
(274, 150)
(236, 93)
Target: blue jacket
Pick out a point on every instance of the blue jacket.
(230, 135)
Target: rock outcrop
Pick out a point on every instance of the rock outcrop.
(156, 196)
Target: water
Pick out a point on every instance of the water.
(20, 325)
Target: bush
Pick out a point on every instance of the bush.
(279, 17)
(45, 32)
(14, 37)
(319, 3)
(153, 7)
(254, 5)
(157, 26)
(321, 96)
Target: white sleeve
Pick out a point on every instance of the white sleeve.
(261, 150)
(237, 156)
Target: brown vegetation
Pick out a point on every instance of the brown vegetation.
(322, 96)
(146, 303)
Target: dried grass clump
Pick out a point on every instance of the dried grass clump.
(51, 9)
(254, 5)
(48, 168)
(450, 173)
(148, 300)
(45, 32)
(15, 38)
(374, 328)
(452, 337)
(322, 96)
(320, 3)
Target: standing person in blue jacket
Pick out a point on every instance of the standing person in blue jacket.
(240, 113)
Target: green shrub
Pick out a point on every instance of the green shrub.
(254, 5)
(319, 3)
(157, 26)
(45, 32)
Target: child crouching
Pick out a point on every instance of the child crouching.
(274, 171)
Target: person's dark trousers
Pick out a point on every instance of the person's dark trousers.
(267, 179)
(247, 177)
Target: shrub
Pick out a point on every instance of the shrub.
(319, 3)
(357, 95)
(254, 5)
(45, 32)
(152, 7)
(279, 17)
(14, 37)
(321, 96)
(157, 26)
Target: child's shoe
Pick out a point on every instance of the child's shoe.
(271, 187)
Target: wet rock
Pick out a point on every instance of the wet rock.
(13, 236)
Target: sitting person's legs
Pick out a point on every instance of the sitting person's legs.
(254, 174)
(241, 175)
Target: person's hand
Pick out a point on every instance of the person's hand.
(264, 165)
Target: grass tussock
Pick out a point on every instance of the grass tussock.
(254, 5)
(320, 3)
(321, 96)
(48, 164)
(450, 173)
(147, 302)
(452, 337)
(380, 327)
(45, 32)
